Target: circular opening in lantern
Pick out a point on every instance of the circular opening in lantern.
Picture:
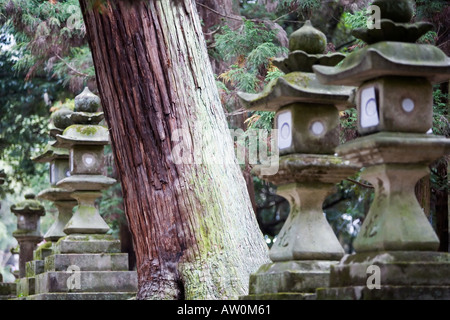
(371, 107)
(88, 159)
(285, 131)
(408, 105)
(317, 128)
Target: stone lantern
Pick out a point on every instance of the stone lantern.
(59, 169)
(28, 233)
(86, 263)
(396, 244)
(85, 140)
(7, 290)
(307, 120)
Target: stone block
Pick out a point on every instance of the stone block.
(86, 281)
(84, 296)
(395, 104)
(26, 286)
(7, 289)
(280, 296)
(87, 244)
(307, 128)
(409, 275)
(88, 262)
(410, 268)
(290, 277)
(59, 169)
(385, 293)
(34, 267)
(86, 159)
(43, 251)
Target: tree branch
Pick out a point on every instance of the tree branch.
(72, 68)
(218, 13)
(369, 186)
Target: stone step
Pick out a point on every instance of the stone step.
(34, 267)
(7, 289)
(43, 251)
(26, 287)
(87, 244)
(84, 296)
(88, 262)
(280, 296)
(396, 268)
(393, 274)
(385, 293)
(86, 281)
(290, 277)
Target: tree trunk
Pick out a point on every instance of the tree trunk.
(194, 230)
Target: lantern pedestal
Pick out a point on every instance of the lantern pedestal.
(64, 203)
(85, 264)
(86, 219)
(306, 246)
(28, 233)
(307, 120)
(86, 267)
(395, 249)
(396, 245)
(401, 275)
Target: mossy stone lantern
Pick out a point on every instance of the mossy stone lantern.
(307, 120)
(58, 158)
(85, 140)
(28, 233)
(59, 169)
(394, 77)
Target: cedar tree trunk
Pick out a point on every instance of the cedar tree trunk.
(194, 230)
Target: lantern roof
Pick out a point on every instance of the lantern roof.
(392, 51)
(29, 206)
(300, 84)
(51, 153)
(78, 134)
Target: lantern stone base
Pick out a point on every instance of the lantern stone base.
(289, 280)
(82, 267)
(87, 243)
(84, 296)
(7, 290)
(400, 275)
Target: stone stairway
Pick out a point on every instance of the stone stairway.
(79, 267)
(7, 290)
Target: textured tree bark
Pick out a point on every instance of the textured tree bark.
(194, 231)
(441, 206)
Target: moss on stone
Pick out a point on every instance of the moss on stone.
(87, 130)
(298, 78)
